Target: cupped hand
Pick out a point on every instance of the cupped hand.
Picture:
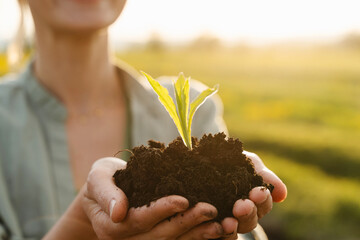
(247, 212)
(167, 218)
(279, 193)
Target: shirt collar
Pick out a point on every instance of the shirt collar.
(41, 98)
(138, 90)
(139, 96)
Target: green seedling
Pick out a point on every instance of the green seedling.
(183, 112)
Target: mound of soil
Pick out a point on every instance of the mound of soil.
(215, 171)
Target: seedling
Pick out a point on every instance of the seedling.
(190, 173)
(182, 112)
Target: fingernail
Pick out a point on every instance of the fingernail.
(247, 214)
(267, 196)
(219, 232)
(228, 234)
(112, 205)
(181, 205)
(210, 214)
(250, 213)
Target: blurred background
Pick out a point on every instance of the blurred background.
(289, 75)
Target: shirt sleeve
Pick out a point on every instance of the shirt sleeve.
(9, 226)
(3, 233)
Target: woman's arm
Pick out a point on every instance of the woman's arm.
(74, 224)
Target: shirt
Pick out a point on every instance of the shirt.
(36, 184)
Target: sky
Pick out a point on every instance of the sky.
(257, 21)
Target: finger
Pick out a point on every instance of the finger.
(243, 207)
(230, 226)
(110, 162)
(101, 188)
(262, 198)
(101, 222)
(280, 191)
(259, 194)
(138, 220)
(245, 212)
(144, 218)
(183, 222)
(209, 230)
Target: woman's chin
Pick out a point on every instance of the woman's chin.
(86, 15)
(86, 1)
(77, 15)
(83, 23)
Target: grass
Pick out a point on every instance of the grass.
(299, 109)
(319, 206)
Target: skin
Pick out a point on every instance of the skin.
(72, 61)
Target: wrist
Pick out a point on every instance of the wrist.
(73, 224)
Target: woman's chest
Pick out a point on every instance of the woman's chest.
(92, 138)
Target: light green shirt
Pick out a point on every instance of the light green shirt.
(36, 184)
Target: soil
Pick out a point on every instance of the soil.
(215, 171)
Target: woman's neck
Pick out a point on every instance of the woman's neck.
(76, 68)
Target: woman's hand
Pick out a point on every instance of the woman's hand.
(247, 212)
(167, 218)
(104, 206)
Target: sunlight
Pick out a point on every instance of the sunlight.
(233, 20)
(259, 21)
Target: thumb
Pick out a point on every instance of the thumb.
(102, 189)
(280, 191)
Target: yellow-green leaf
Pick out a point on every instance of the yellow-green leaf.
(180, 113)
(198, 101)
(165, 100)
(182, 91)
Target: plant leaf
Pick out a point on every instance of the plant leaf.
(182, 89)
(166, 101)
(180, 113)
(198, 101)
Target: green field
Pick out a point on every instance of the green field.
(299, 109)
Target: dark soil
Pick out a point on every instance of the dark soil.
(214, 171)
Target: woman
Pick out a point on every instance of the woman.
(72, 106)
